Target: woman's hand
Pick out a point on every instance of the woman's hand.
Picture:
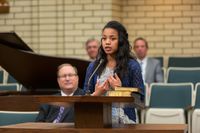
(114, 81)
(101, 89)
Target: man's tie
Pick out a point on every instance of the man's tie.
(141, 65)
(58, 118)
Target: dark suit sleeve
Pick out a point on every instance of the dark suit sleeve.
(43, 113)
(135, 77)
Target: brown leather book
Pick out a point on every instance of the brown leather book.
(123, 91)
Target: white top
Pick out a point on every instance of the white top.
(118, 115)
(105, 75)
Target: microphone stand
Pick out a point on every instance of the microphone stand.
(90, 78)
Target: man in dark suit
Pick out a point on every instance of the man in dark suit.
(151, 68)
(67, 78)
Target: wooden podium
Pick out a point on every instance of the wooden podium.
(90, 111)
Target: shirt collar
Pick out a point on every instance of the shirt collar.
(144, 60)
(63, 94)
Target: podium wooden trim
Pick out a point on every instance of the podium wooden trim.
(69, 128)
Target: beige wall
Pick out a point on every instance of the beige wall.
(172, 27)
(60, 27)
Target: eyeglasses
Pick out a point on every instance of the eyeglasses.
(67, 75)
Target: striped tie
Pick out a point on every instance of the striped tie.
(58, 118)
(142, 69)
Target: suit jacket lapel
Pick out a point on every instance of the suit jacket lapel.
(68, 110)
(66, 113)
(54, 113)
(78, 92)
(54, 110)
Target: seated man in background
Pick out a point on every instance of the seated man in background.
(67, 78)
(151, 68)
(92, 47)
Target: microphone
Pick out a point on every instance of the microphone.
(90, 78)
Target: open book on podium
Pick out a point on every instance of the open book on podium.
(123, 91)
(128, 92)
